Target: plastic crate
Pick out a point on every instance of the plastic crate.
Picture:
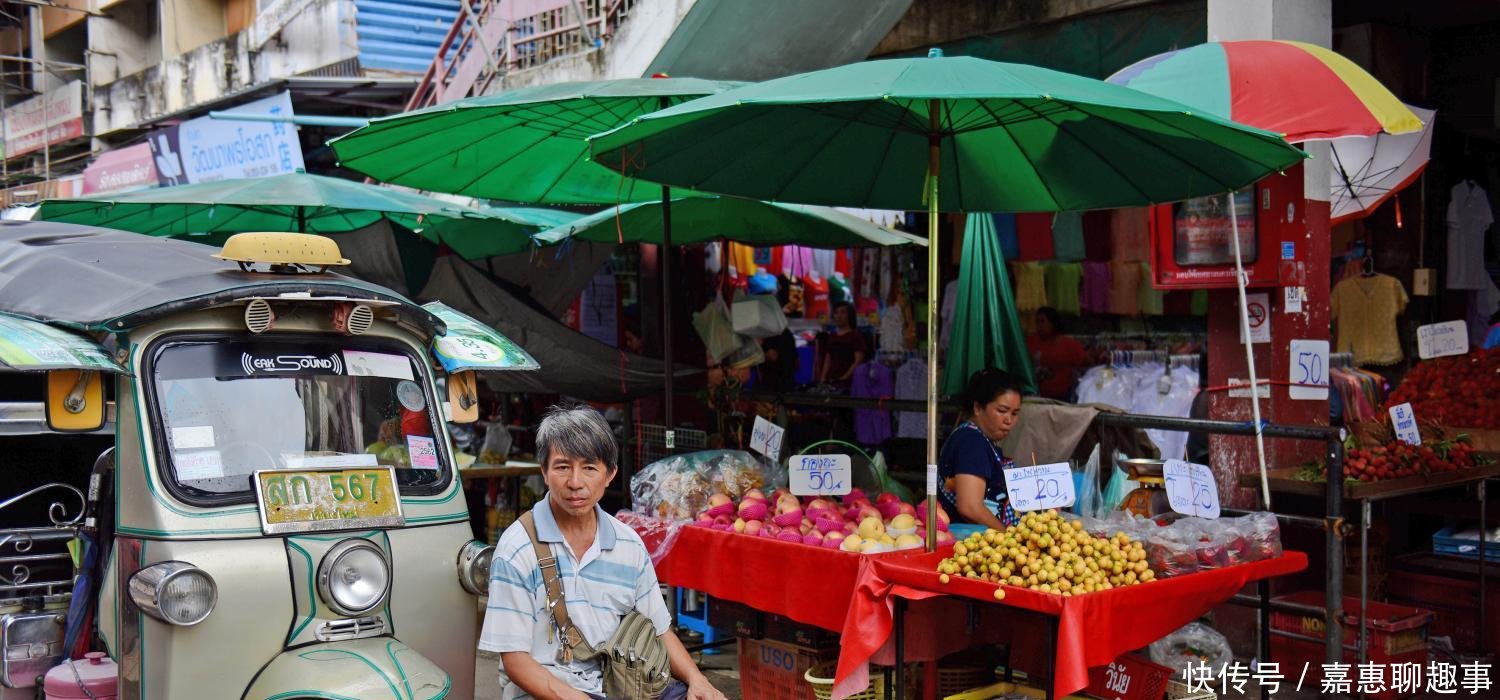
(1397, 634)
(1129, 677)
(1002, 688)
(1177, 690)
(1443, 542)
(776, 671)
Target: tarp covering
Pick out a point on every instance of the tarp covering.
(573, 364)
(101, 279)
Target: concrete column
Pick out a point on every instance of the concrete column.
(1306, 227)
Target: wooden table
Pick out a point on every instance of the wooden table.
(509, 470)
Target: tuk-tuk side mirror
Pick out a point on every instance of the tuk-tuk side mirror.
(75, 401)
(463, 397)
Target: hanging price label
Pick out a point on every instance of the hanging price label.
(819, 475)
(1309, 370)
(1191, 489)
(1442, 339)
(1405, 423)
(1040, 487)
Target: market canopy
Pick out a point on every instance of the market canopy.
(748, 221)
(523, 145)
(1302, 91)
(986, 330)
(296, 202)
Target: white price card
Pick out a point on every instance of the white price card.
(1405, 423)
(1442, 339)
(1039, 487)
(1191, 489)
(765, 438)
(1309, 370)
(819, 475)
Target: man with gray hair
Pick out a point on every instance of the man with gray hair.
(603, 566)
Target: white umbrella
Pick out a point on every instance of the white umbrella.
(1367, 170)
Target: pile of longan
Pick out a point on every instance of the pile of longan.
(1048, 553)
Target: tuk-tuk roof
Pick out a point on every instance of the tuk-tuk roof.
(98, 279)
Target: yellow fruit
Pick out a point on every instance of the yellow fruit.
(943, 578)
(999, 594)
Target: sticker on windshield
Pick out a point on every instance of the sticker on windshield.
(411, 396)
(363, 459)
(423, 451)
(193, 437)
(198, 464)
(377, 364)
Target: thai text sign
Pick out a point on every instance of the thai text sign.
(819, 475)
(208, 149)
(1040, 487)
(54, 117)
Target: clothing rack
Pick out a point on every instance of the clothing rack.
(1341, 360)
(1192, 362)
(1127, 358)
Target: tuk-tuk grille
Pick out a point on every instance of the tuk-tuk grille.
(358, 628)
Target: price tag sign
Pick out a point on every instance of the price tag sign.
(1442, 339)
(1405, 423)
(1309, 370)
(819, 475)
(1040, 487)
(765, 438)
(1191, 489)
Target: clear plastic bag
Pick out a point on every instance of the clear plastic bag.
(496, 446)
(678, 487)
(659, 534)
(716, 330)
(1192, 645)
(1089, 501)
(1262, 535)
(1169, 554)
(1119, 485)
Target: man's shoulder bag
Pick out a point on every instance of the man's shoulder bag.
(633, 660)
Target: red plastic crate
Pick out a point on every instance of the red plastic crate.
(774, 671)
(1129, 677)
(1397, 634)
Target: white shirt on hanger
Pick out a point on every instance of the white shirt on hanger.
(1469, 216)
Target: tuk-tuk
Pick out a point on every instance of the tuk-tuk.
(279, 515)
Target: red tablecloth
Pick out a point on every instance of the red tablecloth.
(808, 584)
(1093, 629)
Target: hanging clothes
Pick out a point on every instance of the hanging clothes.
(1468, 216)
(911, 385)
(1031, 285)
(1063, 281)
(838, 290)
(1148, 297)
(741, 261)
(872, 380)
(886, 269)
(1034, 237)
(1094, 292)
(1005, 230)
(1145, 388)
(1129, 233)
(815, 295)
(1124, 288)
(945, 311)
(892, 329)
(1365, 311)
(1067, 236)
(823, 261)
(1096, 236)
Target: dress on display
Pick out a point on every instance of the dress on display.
(1365, 309)
(1469, 216)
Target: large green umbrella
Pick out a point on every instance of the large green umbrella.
(296, 202)
(1002, 137)
(748, 221)
(986, 331)
(524, 145)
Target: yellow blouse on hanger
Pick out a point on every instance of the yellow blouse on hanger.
(1365, 311)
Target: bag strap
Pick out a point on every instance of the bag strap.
(556, 603)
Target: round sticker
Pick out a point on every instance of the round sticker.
(411, 396)
(467, 349)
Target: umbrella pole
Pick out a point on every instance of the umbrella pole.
(934, 286)
(1239, 275)
(670, 434)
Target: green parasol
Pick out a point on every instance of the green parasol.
(748, 221)
(1000, 136)
(296, 202)
(524, 145)
(986, 331)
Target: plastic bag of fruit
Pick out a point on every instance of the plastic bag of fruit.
(658, 534)
(679, 486)
(1192, 645)
(1262, 534)
(1170, 554)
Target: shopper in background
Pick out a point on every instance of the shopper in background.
(842, 350)
(971, 467)
(1055, 358)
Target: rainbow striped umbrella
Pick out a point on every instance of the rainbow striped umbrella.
(1298, 90)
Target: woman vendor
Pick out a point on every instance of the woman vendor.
(971, 467)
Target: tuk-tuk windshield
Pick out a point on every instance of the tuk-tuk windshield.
(228, 409)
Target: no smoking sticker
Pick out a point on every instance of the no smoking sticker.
(1258, 306)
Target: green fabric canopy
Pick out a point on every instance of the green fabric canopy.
(1011, 137)
(706, 219)
(301, 203)
(986, 331)
(524, 145)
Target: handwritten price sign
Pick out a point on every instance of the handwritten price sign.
(1040, 487)
(819, 475)
(1442, 339)
(1309, 370)
(765, 438)
(1191, 489)
(1405, 423)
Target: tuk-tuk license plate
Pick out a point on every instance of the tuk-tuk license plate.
(310, 500)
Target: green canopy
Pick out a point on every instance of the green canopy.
(749, 221)
(524, 145)
(986, 331)
(476, 239)
(296, 202)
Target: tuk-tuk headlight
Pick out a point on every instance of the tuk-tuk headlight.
(174, 592)
(474, 567)
(354, 577)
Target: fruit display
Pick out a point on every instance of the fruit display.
(1049, 553)
(1460, 390)
(1392, 459)
(679, 487)
(1191, 544)
(851, 524)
